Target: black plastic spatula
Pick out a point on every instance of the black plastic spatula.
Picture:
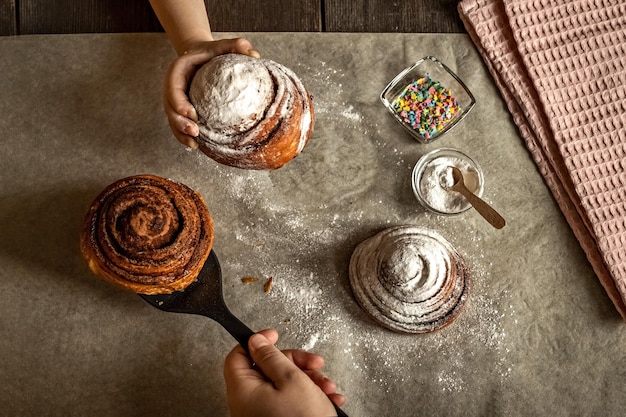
(205, 297)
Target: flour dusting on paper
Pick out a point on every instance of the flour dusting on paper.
(329, 99)
(310, 301)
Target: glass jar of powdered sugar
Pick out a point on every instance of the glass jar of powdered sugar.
(432, 179)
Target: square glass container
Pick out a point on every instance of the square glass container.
(440, 88)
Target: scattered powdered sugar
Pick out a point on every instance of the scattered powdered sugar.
(311, 343)
(307, 295)
(450, 381)
(328, 97)
(319, 314)
(350, 114)
(313, 303)
(450, 354)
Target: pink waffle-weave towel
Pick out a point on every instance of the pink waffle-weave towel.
(561, 68)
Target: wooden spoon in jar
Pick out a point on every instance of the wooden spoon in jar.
(484, 209)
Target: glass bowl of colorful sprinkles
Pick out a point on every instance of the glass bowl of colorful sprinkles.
(427, 99)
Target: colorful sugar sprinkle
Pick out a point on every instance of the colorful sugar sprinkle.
(426, 106)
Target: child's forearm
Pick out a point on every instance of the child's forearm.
(184, 21)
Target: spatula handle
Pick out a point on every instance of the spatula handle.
(235, 327)
(339, 411)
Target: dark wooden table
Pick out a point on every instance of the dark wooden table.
(98, 16)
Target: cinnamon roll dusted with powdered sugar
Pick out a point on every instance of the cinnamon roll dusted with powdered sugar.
(252, 113)
(409, 279)
(148, 234)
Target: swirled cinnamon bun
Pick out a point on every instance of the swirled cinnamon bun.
(252, 113)
(148, 234)
(409, 279)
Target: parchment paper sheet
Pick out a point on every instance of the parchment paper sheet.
(539, 335)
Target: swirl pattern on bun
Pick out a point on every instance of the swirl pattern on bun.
(252, 113)
(147, 234)
(409, 279)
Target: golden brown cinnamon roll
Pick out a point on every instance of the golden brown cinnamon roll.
(409, 279)
(148, 234)
(252, 113)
